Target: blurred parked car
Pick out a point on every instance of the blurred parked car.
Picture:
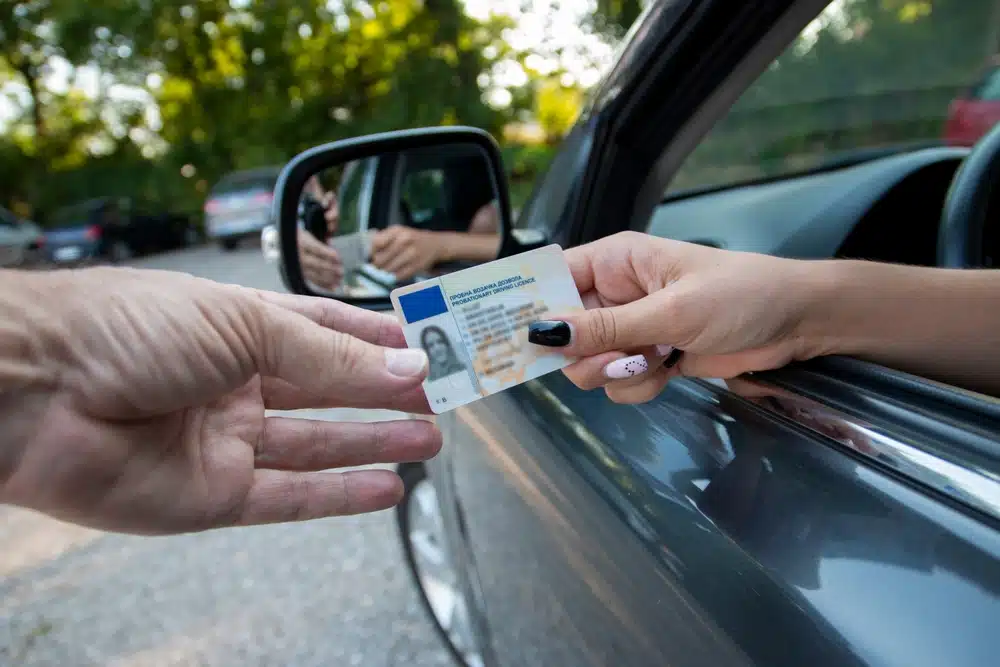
(974, 114)
(114, 229)
(20, 240)
(239, 205)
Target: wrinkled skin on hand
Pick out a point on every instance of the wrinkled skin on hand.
(138, 400)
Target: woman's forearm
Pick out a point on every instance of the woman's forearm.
(457, 246)
(943, 324)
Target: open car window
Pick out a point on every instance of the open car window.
(354, 194)
(865, 78)
(423, 192)
(989, 88)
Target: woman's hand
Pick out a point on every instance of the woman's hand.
(321, 264)
(135, 401)
(729, 312)
(405, 252)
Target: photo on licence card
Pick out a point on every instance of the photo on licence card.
(473, 324)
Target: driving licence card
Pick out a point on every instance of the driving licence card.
(473, 324)
(353, 249)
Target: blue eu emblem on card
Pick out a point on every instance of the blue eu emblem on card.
(422, 305)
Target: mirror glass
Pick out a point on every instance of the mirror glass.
(383, 221)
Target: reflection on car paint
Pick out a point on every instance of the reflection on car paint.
(976, 487)
(760, 532)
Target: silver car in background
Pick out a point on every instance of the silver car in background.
(239, 206)
(20, 240)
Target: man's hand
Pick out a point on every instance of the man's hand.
(321, 264)
(135, 401)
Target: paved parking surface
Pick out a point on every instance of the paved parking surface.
(326, 593)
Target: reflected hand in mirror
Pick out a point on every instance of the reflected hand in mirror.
(373, 224)
(321, 264)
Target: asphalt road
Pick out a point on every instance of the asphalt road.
(326, 593)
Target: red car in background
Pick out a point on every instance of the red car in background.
(975, 114)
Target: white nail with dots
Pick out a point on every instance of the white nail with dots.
(627, 367)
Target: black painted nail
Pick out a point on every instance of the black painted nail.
(672, 358)
(550, 333)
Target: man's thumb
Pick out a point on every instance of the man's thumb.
(335, 365)
(591, 332)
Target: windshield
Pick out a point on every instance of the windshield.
(8, 219)
(76, 215)
(864, 78)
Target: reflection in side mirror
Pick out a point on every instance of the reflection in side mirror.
(384, 220)
(361, 217)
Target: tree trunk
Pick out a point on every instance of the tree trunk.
(30, 75)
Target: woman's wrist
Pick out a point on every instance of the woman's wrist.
(854, 307)
(939, 323)
(454, 246)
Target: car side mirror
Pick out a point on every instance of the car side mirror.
(359, 217)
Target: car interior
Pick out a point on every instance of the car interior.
(887, 209)
(818, 169)
(457, 175)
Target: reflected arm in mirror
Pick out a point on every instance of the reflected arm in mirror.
(486, 220)
(406, 252)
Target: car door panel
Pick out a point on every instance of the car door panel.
(558, 590)
(707, 529)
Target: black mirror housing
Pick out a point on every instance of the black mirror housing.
(292, 181)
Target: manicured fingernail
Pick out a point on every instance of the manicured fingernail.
(550, 333)
(664, 350)
(405, 363)
(672, 359)
(627, 367)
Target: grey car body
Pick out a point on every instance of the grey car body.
(834, 512)
(840, 513)
(20, 240)
(239, 205)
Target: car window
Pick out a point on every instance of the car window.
(544, 209)
(866, 74)
(246, 182)
(72, 216)
(7, 219)
(989, 87)
(355, 190)
(423, 192)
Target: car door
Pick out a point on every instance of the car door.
(836, 513)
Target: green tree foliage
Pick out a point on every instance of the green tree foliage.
(237, 84)
(59, 131)
(867, 74)
(556, 108)
(232, 84)
(615, 17)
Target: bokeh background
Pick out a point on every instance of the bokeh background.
(155, 101)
